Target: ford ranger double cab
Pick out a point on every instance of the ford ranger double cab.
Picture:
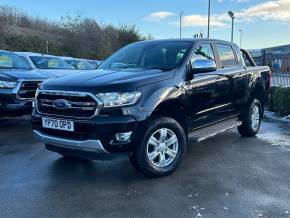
(149, 99)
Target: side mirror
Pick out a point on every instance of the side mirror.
(203, 66)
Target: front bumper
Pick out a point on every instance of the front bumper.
(87, 145)
(15, 109)
(95, 136)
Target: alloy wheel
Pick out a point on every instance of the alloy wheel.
(255, 118)
(162, 147)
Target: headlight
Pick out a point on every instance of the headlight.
(115, 99)
(7, 85)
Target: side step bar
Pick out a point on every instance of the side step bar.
(214, 129)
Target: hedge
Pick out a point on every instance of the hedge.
(280, 100)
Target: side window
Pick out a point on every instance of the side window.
(204, 51)
(227, 55)
(6, 61)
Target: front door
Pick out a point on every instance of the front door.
(205, 91)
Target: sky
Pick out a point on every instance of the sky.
(264, 23)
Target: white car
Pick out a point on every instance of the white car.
(78, 64)
(53, 65)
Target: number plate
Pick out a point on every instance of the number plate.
(51, 123)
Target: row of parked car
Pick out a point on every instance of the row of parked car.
(22, 72)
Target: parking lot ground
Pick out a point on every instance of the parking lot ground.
(224, 176)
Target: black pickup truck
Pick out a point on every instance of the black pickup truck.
(149, 99)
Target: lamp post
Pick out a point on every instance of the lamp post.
(180, 22)
(241, 37)
(47, 47)
(208, 19)
(232, 16)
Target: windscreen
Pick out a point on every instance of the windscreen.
(149, 55)
(12, 61)
(43, 62)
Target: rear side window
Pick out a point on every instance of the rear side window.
(247, 60)
(227, 55)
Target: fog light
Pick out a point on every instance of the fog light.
(33, 104)
(123, 137)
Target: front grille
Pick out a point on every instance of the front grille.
(27, 89)
(79, 105)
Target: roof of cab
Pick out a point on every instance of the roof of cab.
(193, 40)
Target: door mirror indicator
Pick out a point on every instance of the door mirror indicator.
(203, 66)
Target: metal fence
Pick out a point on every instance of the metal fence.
(278, 59)
(281, 79)
(279, 63)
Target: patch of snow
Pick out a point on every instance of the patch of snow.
(273, 133)
(273, 116)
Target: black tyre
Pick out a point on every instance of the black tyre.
(133, 160)
(251, 119)
(161, 149)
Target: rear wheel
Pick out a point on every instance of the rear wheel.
(161, 149)
(251, 119)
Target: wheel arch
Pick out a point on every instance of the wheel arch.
(258, 88)
(173, 109)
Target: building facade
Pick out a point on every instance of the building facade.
(277, 58)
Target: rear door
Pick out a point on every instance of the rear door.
(232, 80)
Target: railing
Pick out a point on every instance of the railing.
(281, 79)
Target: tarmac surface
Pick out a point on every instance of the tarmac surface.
(224, 176)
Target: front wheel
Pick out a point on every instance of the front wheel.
(251, 119)
(161, 149)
